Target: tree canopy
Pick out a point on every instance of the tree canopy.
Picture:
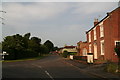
(49, 45)
(18, 46)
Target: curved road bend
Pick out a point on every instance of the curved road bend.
(51, 67)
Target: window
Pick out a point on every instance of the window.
(116, 44)
(95, 34)
(89, 34)
(102, 47)
(101, 30)
(84, 52)
(90, 48)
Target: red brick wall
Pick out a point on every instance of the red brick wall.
(111, 33)
(82, 45)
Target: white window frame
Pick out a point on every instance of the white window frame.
(95, 54)
(117, 41)
(115, 45)
(101, 42)
(90, 46)
(101, 29)
(89, 35)
(95, 36)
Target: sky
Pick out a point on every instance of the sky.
(61, 22)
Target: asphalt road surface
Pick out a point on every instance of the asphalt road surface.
(51, 67)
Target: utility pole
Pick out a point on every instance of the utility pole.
(1, 11)
(119, 3)
(1, 18)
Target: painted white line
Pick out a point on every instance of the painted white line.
(40, 67)
(37, 66)
(49, 75)
(45, 71)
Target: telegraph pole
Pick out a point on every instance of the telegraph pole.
(1, 23)
(119, 3)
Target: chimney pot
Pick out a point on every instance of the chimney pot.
(95, 21)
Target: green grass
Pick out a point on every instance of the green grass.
(25, 59)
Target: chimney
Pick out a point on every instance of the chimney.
(95, 21)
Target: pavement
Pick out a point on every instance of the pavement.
(93, 69)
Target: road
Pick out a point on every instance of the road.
(51, 67)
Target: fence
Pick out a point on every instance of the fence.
(83, 58)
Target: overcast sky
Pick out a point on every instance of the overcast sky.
(61, 22)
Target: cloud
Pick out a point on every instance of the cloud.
(61, 0)
(63, 23)
(40, 11)
(21, 16)
(93, 8)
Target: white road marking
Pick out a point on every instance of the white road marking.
(37, 66)
(45, 71)
(49, 75)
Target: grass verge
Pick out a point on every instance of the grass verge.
(25, 59)
(112, 68)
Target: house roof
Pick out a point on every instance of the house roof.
(82, 42)
(69, 46)
(102, 19)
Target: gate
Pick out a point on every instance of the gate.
(89, 57)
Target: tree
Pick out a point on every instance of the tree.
(13, 45)
(36, 40)
(49, 45)
(18, 46)
(26, 39)
(27, 36)
(43, 49)
(117, 50)
(34, 45)
(64, 54)
(55, 48)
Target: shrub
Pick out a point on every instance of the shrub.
(64, 54)
(72, 53)
(111, 67)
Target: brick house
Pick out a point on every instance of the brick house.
(104, 36)
(69, 49)
(82, 48)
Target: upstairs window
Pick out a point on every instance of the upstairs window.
(101, 30)
(90, 50)
(95, 34)
(89, 34)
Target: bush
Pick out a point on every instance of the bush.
(111, 67)
(64, 54)
(72, 53)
